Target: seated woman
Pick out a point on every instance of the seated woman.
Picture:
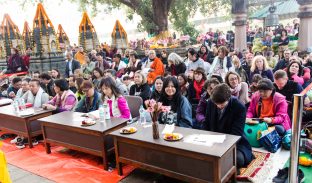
(195, 88)
(181, 111)
(97, 75)
(296, 72)
(64, 100)
(183, 83)
(134, 64)
(158, 84)
(140, 87)
(238, 89)
(226, 114)
(260, 66)
(92, 99)
(271, 106)
(118, 106)
(176, 65)
(201, 108)
(239, 69)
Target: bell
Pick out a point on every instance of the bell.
(272, 19)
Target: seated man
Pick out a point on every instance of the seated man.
(226, 114)
(36, 95)
(16, 85)
(156, 67)
(47, 84)
(270, 106)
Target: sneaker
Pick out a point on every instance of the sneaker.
(16, 139)
(282, 176)
(34, 142)
(20, 145)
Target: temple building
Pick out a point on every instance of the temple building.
(44, 34)
(27, 36)
(62, 38)
(87, 35)
(119, 36)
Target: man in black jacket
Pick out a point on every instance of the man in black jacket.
(282, 64)
(71, 65)
(47, 84)
(226, 114)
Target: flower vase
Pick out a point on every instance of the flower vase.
(155, 130)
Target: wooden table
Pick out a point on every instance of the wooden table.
(65, 129)
(26, 126)
(185, 161)
(5, 101)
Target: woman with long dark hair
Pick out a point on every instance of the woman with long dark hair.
(181, 110)
(158, 85)
(97, 75)
(111, 95)
(296, 72)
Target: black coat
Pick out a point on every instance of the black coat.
(75, 65)
(142, 91)
(232, 122)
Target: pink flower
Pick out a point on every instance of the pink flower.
(165, 108)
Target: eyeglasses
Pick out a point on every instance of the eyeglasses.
(233, 79)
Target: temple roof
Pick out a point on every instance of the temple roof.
(41, 18)
(26, 30)
(86, 24)
(8, 26)
(61, 33)
(119, 31)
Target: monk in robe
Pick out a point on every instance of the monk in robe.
(156, 67)
(80, 56)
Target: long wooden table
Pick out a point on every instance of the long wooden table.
(185, 161)
(26, 126)
(65, 129)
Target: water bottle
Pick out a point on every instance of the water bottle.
(15, 106)
(101, 113)
(142, 115)
(22, 104)
(106, 111)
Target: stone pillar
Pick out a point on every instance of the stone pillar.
(239, 11)
(305, 29)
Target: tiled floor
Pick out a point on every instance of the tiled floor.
(21, 176)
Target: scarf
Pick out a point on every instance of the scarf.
(60, 100)
(35, 100)
(198, 86)
(113, 106)
(215, 70)
(235, 91)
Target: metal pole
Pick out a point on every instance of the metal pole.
(295, 137)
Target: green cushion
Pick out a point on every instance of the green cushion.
(251, 132)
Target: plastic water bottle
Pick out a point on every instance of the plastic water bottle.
(101, 113)
(15, 106)
(142, 115)
(106, 111)
(22, 104)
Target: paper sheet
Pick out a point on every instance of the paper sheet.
(168, 129)
(207, 140)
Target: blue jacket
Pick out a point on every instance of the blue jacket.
(282, 64)
(265, 74)
(82, 105)
(11, 89)
(183, 111)
(232, 122)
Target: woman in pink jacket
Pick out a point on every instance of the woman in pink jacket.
(270, 106)
(118, 106)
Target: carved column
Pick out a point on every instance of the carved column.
(305, 29)
(239, 11)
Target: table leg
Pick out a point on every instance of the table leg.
(27, 123)
(119, 167)
(48, 148)
(118, 164)
(105, 158)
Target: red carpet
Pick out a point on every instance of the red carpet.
(62, 165)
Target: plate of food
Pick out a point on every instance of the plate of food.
(173, 136)
(88, 122)
(128, 130)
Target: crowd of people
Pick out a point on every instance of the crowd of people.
(213, 90)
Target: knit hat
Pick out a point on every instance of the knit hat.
(265, 84)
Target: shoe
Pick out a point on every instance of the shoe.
(20, 145)
(7, 135)
(282, 176)
(16, 139)
(34, 142)
(300, 176)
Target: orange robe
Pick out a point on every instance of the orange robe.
(80, 57)
(159, 70)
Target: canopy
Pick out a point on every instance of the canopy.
(285, 9)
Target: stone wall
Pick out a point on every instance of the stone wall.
(43, 63)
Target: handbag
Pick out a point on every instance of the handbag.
(271, 141)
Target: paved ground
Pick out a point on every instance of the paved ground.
(21, 176)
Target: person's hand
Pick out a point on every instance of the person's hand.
(12, 94)
(267, 120)
(248, 120)
(49, 107)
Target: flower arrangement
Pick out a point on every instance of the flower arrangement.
(155, 108)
